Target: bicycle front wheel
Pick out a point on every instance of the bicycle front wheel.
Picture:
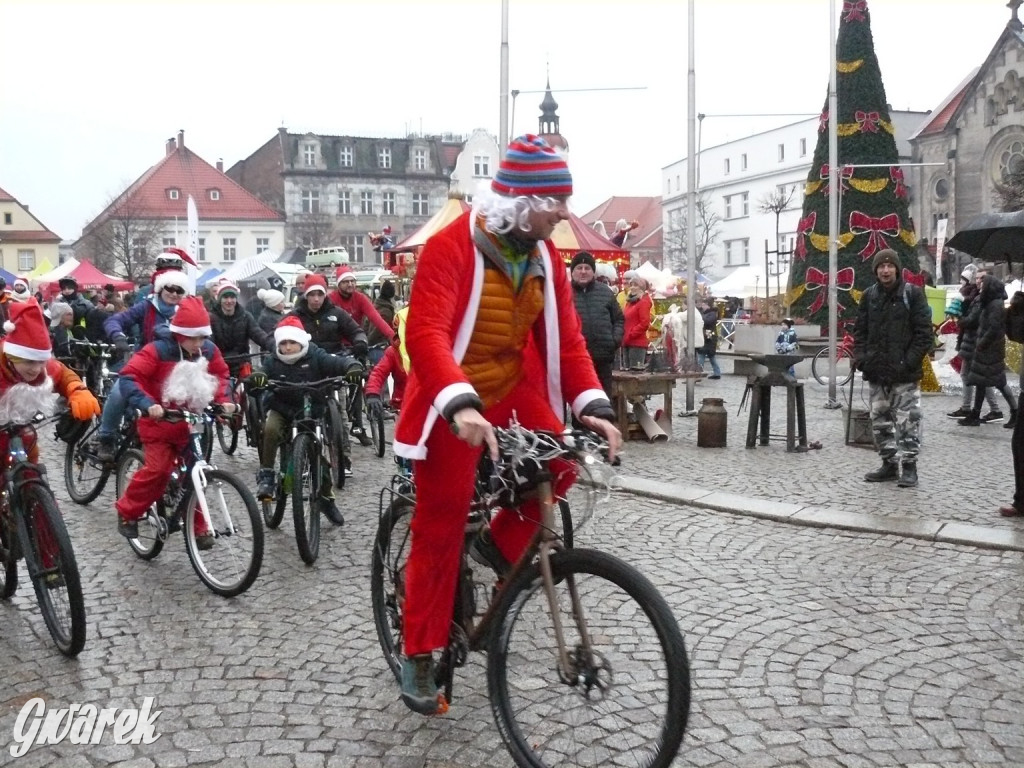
(624, 698)
(227, 434)
(8, 559)
(85, 476)
(273, 511)
(377, 433)
(52, 568)
(232, 564)
(305, 493)
(844, 366)
(336, 443)
(387, 579)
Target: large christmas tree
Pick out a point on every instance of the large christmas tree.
(873, 212)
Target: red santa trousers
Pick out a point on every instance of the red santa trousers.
(148, 483)
(444, 490)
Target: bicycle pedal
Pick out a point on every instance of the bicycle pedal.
(442, 704)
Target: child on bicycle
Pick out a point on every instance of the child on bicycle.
(186, 371)
(391, 364)
(295, 360)
(31, 378)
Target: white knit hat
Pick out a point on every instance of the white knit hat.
(270, 297)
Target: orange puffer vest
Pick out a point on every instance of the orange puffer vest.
(494, 360)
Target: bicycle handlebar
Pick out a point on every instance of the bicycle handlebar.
(517, 443)
(333, 381)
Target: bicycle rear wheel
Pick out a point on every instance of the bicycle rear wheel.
(8, 557)
(623, 702)
(387, 579)
(233, 563)
(305, 492)
(52, 568)
(152, 530)
(844, 366)
(337, 443)
(85, 476)
(273, 511)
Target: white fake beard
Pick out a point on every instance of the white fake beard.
(20, 403)
(190, 385)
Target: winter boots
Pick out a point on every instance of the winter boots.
(908, 477)
(888, 471)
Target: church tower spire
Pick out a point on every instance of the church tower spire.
(547, 125)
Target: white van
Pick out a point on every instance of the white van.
(327, 257)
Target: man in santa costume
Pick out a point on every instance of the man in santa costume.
(492, 334)
(30, 377)
(355, 302)
(184, 372)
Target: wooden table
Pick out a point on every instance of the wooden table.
(630, 385)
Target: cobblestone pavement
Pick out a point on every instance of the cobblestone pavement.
(965, 472)
(810, 647)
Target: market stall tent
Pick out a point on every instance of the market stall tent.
(36, 280)
(572, 235)
(449, 212)
(89, 278)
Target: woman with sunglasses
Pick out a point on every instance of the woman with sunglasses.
(152, 317)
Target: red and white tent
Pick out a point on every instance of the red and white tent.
(89, 279)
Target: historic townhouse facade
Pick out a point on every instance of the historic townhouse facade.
(25, 242)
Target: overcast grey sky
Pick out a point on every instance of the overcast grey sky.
(92, 90)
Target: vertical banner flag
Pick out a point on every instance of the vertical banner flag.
(940, 244)
(193, 239)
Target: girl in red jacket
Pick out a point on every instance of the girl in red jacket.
(638, 320)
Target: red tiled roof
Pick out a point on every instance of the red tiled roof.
(940, 120)
(6, 197)
(188, 173)
(28, 236)
(449, 154)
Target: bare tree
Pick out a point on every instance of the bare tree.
(311, 230)
(706, 233)
(123, 239)
(776, 202)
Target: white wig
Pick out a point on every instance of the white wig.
(503, 214)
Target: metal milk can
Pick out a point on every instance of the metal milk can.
(711, 423)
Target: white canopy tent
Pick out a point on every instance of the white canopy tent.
(748, 282)
(54, 274)
(248, 266)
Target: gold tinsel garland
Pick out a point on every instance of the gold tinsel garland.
(929, 382)
(871, 186)
(1013, 355)
(848, 129)
(846, 67)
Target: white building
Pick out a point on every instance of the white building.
(735, 179)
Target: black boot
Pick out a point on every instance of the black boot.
(1012, 421)
(973, 420)
(908, 478)
(888, 471)
(266, 484)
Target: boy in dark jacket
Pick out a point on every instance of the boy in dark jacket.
(233, 329)
(295, 360)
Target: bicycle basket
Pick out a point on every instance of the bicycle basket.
(69, 429)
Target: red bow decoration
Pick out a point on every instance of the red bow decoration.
(823, 121)
(805, 227)
(854, 10)
(816, 279)
(868, 121)
(861, 223)
(845, 173)
(910, 277)
(896, 174)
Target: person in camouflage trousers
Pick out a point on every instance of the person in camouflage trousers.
(892, 335)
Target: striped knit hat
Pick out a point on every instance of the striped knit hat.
(531, 166)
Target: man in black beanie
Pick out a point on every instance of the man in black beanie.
(892, 335)
(600, 316)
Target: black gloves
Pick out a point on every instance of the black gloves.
(360, 348)
(256, 380)
(121, 344)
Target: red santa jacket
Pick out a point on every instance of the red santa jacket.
(389, 365)
(361, 308)
(145, 376)
(442, 314)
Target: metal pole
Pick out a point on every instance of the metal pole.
(691, 203)
(833, 207)
(503, 85)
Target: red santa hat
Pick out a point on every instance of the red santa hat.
(226, 287)
(27, 335)
(343, 270)
(290, 329)
(191, 318)
(314, 283)
(166, 277)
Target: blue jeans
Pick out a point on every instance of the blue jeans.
(113, 411)
(702, 356)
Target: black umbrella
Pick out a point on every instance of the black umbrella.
(993, 237)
